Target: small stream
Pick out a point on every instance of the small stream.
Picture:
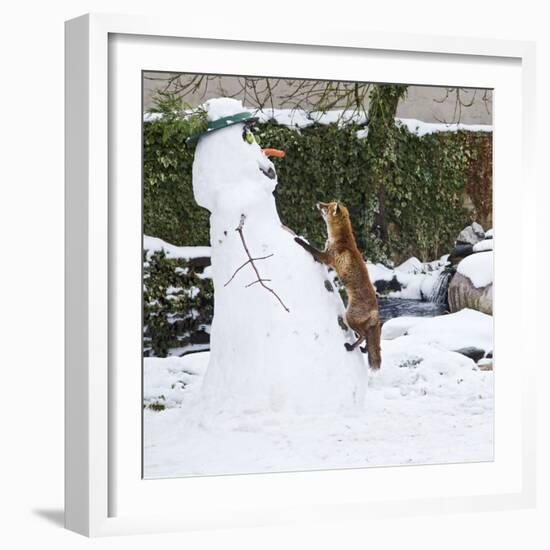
(400, 307)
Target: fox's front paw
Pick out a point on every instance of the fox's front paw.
(363, 348)
(348, 346)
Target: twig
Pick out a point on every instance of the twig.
(257, 281)
(260, 280)
(246, 263)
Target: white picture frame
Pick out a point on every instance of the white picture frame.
(104, 494)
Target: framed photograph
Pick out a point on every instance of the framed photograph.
(289, 293)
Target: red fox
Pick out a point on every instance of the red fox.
(342, 254)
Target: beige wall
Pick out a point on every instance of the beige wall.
(426, 103)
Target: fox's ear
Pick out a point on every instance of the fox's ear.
(336, 209)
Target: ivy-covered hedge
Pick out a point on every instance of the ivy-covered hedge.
(434, 185)
(169, 209)
(178, 301)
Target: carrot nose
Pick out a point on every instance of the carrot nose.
(274, 153)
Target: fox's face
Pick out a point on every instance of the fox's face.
(336, 217)
(334, 213)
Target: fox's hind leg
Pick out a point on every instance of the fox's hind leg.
(351, 347)
(359, 332)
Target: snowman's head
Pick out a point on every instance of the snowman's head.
(230, 167)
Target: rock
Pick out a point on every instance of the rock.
(463, 294)
(471, 234)
(472, 352)
(478, 230)
(328, 285)
(383, 286)
(200, 337)
(199, 262)
(479, 268)
(342, 323)
(485, 364)
(459, 252)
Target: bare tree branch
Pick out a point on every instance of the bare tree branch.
(461, 101)
(260, 92)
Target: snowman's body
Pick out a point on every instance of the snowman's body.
(262, 356)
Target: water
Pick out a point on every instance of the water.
(400, 307)
(439, 291)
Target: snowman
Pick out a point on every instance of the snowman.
(276, 341)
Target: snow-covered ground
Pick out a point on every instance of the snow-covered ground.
(426, 405)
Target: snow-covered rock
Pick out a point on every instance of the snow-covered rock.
(455, 331)
(413, 279)
(478, 268)
(264, 357)
(412, 265)
(472, 285)
(379, 272)
(482, 246)
(411, 285)
(464, 294)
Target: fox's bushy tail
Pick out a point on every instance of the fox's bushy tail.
(373, 346)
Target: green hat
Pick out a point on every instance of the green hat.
(223, 122)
